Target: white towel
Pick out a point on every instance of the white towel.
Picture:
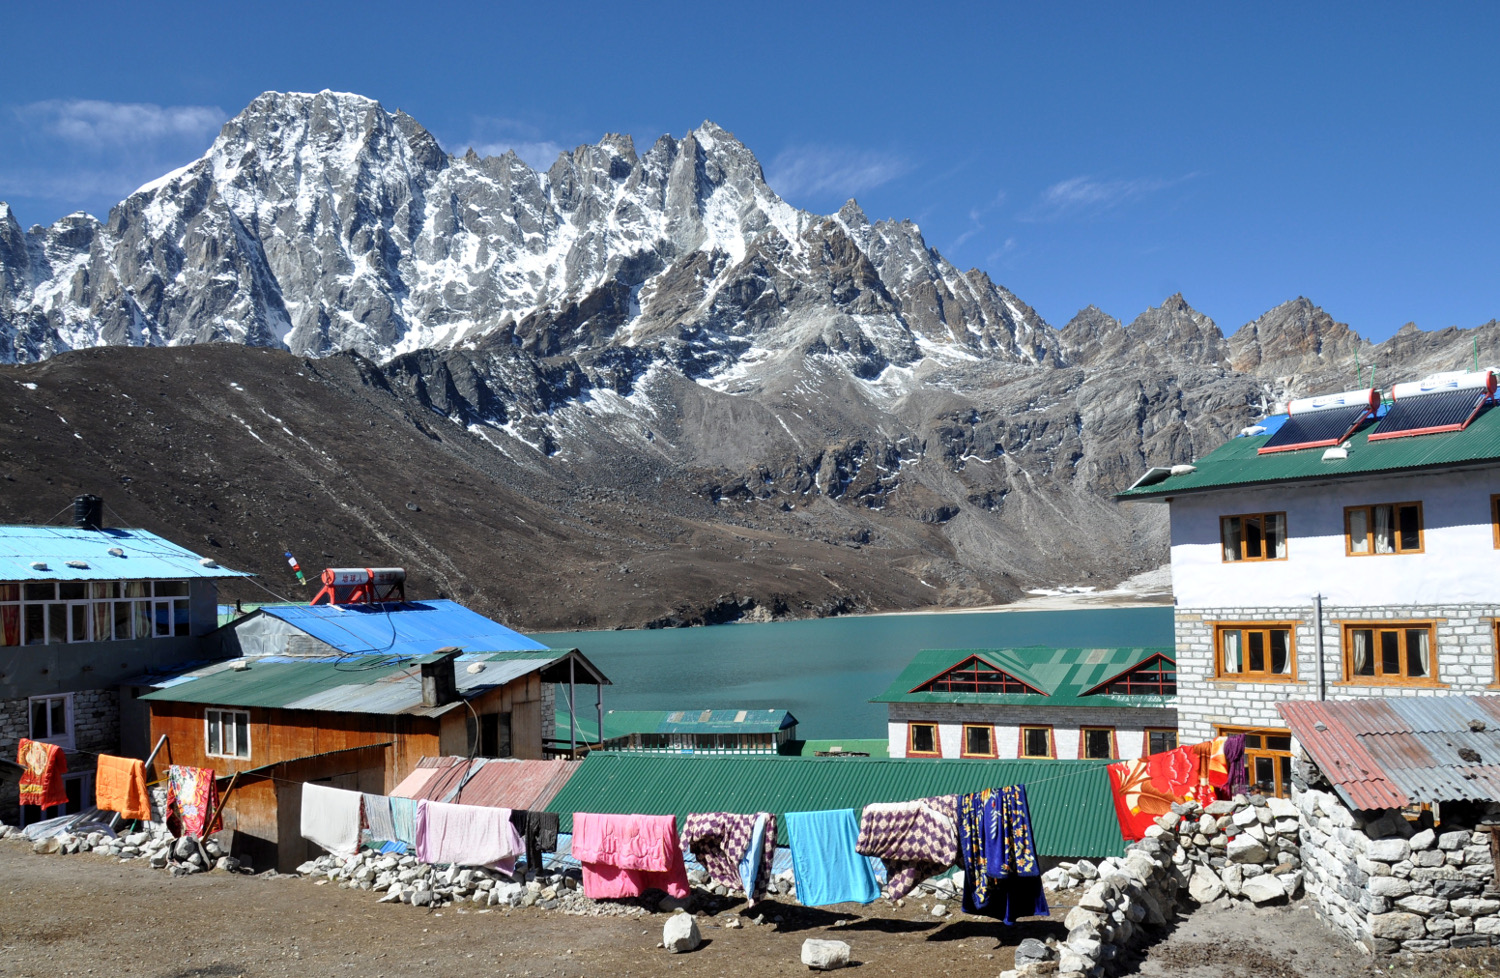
(467, 835)
(330, 818)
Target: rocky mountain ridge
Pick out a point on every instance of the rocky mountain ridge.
(660, 333)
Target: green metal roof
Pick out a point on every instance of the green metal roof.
(1072, 810)
(1235, 463)
(811, 748)
(621, 723)
(1065, 675)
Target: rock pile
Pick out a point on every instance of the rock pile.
(1392, 885)
(152, 842)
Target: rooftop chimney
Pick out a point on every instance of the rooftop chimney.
(88, 512)
(439, 685)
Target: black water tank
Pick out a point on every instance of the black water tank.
(88, 512)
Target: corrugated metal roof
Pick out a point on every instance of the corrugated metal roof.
(848, 745)
(490, 782)
(1388, 753)
(408, 629)
(1072, 810)
(347, 686)
(621, 723)
(143, 556)
(1064, 675)
(1236, 462)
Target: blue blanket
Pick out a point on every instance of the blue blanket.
(824, 861)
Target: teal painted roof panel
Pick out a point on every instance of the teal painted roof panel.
(143, 556)
(1072, 810)
(1064, 675)
(1236, 462)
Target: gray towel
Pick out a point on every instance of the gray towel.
(378, 818)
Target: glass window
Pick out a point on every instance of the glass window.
(923, 738)
(1156, 676)
(73, 590)
(52, 720)
(35, 620)
(1036, 741)
(181, 623)
(43, 591)
(1389, 652)
(137, 589)
(1098, 743)
(228, 733)
(1256, 536)
(1255, 653)
(171, 589)
(974, 675)
(1160, 741)
(978, 741)
(1268, 758)
(1383, 528)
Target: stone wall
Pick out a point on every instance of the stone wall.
(96, 730)
(1393, 885)
(1464, 659)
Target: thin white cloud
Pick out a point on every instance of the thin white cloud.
(976, 222)
(1086, 196)
(822, 171)
(99, 125)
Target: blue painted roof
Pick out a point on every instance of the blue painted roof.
(143, 556)
(407, 629)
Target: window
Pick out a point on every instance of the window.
(52, 719)
(56, 612)
(923, 739)
(228, 733)
(1258, 536)
(1097, 744)
(1389, 652)
(979, 740)
(974, 675)
(1388, 528)
(1268, 758)
(1494, 520)
(1157, 676)
(1036, 742)
(1160, 741)
(1256, 653)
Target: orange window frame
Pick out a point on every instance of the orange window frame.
(1396, 547)
(1495, 518)
(964, 743)
(911, 741)
(1114, 744)
(1347, 630)
(1021, 743)
(1146, 739)
(1247, 675)
(1244, 544)
(1258, 748)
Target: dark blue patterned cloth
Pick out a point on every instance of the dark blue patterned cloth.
(1001, 876)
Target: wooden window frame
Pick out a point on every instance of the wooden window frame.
(1346, 648)
(208, 745)
(1495, 519)
(1281, 777)
(1021, 743)
(1397, 549)
(1244, 556)
(963, 744)
(911, 739)
(1146, 739)
(1220, 627)
(68, 738)
(1114, 744)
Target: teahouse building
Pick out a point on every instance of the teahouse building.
(1349, 548)
(698, 731)
(81, 608)
(1036, 702)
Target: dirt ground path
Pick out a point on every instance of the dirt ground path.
(86, 915)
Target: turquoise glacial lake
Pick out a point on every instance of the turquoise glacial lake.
(824, 670)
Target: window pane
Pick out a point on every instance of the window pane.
(1275, 535)
(142, 619)
(979, 739)
(1281, 660)
(1411, 535)
(1278, 743)
(36, 624)
(1359, 531)
(1257, 651)
(137, 589)
(1361, 645)
(1253, 538)
(1096, 744)
(102, 623)
(1233, 661)
(1385, 542)
(180, 621)
(1286, 775)
(45, 591)
(171, 589)
(922, 738)
(242, 734)
(10, 592)
(122, 619)
(80, 615)
(1161, 741)
(10, 624)
(1265, 773)
(39, 719)
(163, 614)
(1417, 663)
(102, 589)
(1035, 740)
(59, 720)
(1252, 741)
(1229, 528)
(213, 732)
(1390, 653)
(73, 590)
(57, 623)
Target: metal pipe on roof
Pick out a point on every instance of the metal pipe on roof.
(1318, 630)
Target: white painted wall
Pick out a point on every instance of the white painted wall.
(1459, 564)
(1130, 741)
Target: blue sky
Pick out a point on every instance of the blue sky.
(1079, 153)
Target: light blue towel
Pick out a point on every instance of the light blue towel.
(824, 862)
(404, 817)
(754, 854)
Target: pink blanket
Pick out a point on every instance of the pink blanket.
(626, 855)
(469, 835)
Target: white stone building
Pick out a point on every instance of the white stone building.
(1350, 552)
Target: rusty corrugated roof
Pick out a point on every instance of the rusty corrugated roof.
(1388, 753)
(488, 782)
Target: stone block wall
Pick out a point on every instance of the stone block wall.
(1464, 659)
(1395, 886)
(96, 730)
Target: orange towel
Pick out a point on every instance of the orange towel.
(45, 765)
(120, 786)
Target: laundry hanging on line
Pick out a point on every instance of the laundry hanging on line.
(1148, 787)
(1002, 877)
(539, 830)
(825, 862)
(42, 782)
(192, 796)
(468, 835)
(626, 855)
(915, 839)
(331, 817)
(120, 786)
(736, 850)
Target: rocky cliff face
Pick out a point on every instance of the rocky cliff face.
(662, 328)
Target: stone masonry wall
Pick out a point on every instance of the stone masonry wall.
(1392, 885)
(96, 730)
(1464, 659)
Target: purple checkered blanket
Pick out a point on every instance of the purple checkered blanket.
(915, 839)
(718, 840)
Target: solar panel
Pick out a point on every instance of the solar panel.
(1426, 414)
(1315, 429)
